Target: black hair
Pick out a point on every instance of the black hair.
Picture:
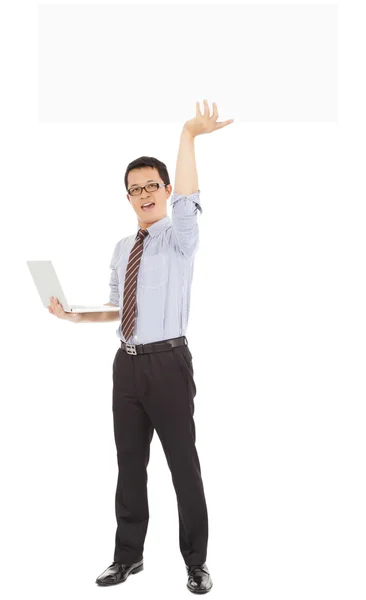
(148, 161)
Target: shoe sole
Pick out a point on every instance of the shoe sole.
(133, 572)
(198, 591)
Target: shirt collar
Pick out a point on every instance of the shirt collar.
(157, 227)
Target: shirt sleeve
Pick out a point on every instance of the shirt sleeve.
(113, 281)
(184, 221)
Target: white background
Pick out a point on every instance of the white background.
(277, 321)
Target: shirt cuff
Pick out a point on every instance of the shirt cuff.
(195, 197)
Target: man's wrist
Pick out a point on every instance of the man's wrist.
(186, 133)
(78, 317)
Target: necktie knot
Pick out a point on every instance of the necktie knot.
(142, 233)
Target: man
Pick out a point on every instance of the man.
(153, 378)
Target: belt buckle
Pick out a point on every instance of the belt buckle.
(131, 349)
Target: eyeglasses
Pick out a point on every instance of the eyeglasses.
(150, 187)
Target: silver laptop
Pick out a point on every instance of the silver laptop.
(47, 283)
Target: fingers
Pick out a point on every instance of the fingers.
(215, 113)
(224, 123)
(55, 307)
(214, 116)
(206, 112)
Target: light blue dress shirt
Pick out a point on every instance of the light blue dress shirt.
(165, 274)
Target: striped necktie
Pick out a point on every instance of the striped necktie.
(129, 294)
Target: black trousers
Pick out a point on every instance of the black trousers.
(155, 391)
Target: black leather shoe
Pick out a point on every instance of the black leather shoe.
(118, 572)
(199, 579)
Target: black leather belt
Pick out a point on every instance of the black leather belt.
(161, 346)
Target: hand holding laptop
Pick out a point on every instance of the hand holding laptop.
(55, 308)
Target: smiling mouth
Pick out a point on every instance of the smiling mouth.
(149, 206)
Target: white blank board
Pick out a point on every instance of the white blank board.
(146, 63)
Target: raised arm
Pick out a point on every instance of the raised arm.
(186, 178)
(185, 199)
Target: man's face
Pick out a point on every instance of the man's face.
(139, 178)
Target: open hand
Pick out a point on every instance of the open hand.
(203, 123)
